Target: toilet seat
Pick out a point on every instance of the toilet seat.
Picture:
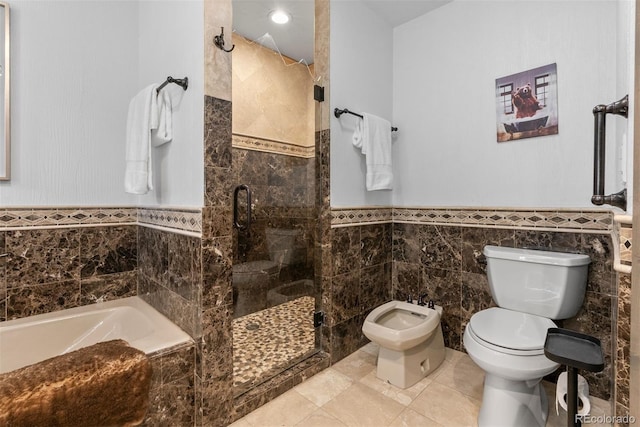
(509, 331)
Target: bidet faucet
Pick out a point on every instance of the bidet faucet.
(409, 299)
(421, 301)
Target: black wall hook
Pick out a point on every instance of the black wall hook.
(219, 41)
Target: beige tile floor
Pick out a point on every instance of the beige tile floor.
(349, 394)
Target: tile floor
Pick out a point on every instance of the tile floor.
(349, 394)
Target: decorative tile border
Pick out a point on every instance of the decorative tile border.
(72, 216)
(353, 216)
(624, 236)
(557, 219)
(179, 219)
(271, 146)
(188, 220)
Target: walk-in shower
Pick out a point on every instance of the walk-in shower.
(274, 215)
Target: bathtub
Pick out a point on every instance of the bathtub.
(36, 338)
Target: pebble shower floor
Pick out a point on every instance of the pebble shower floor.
(269, 341)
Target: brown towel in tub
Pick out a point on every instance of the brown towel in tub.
(106, 384)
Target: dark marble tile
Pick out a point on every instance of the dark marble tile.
(375, 283)
(216, 359)
(217, 132)
(622, 353)
(346, 299)
(250, 167)
(441, 247)
(172, 404)
(375, 244)
(216, 272)
(444, 287)
(475, 239)
(475, 295)
(31, 300)
(601, 275)
(42, 256)
(217, 401)
(406, 243)
(108, 250)
(549, 240)
(178, 364)
(347, 337)
(407, 280)
(108, 287)
(345, 249)
(180, 311)
(217, 222)
(153, 254)
(322, 166)
(218, 190)
(185, 266)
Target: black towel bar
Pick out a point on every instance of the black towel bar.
(184, 83)
(338, 112)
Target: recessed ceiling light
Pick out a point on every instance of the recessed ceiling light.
(279, 16)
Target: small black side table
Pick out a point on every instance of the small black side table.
(577, 351)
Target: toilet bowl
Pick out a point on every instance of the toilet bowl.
(290, 291)
(251, 282)
(410, 339)
(530, 287)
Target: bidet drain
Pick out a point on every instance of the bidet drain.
(252, 326)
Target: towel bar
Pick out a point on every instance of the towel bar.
(338, 112)
(183, 83)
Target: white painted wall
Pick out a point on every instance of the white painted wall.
(171, 42)
(445, 66)
(361, 80)
(76, 65)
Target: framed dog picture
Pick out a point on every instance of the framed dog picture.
(527, 104)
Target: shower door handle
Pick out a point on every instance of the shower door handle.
(236, 192)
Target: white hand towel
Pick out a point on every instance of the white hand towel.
(164, 131)
(373, 137)
(141, 118)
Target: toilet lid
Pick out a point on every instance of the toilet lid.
(511, 329)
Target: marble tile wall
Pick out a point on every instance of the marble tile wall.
(360, 281)
(283, 192)
(50, 269)
(214, 361)
(172, 394)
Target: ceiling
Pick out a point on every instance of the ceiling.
(295, 39)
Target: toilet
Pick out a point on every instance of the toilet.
(252, 280)
(530, 287)
(410, 340)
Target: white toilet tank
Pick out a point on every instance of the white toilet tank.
(545, 283)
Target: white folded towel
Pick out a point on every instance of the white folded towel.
(149, 122)
(141, 118)
(164, 131)
(373, 137)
